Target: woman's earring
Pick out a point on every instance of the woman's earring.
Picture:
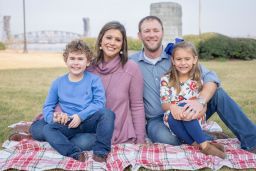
(100, 48)
(121, 52)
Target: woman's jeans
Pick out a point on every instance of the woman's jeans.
(99, 127)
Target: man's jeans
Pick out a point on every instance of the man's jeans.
(229, 112)
(234, 118)
(59, 136)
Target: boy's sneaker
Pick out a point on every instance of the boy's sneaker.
(81, 157)
(98, 158)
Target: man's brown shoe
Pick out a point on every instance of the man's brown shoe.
(218, 135)
(212, 150)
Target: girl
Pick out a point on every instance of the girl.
(183, 82)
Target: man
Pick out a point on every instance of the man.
(154, 63)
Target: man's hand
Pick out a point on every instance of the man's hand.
(75, 122)
(192, 110)
(176, 111)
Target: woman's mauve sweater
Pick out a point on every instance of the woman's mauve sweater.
(124, 95)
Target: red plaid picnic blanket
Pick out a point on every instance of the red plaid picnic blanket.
(34, 155)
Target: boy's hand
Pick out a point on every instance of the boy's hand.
(75, 122)
(60, 117)
(63, 118)
(56, 116)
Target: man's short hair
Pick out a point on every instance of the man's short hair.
(150, 17)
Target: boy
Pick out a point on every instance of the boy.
(81, 97)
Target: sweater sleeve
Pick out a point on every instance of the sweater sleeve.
(50, 102)
(98, 101)
(137, 105)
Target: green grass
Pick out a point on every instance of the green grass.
(23, 91)
(239, 80)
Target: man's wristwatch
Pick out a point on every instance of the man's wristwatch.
(202, 101)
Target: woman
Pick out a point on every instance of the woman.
(123, 84)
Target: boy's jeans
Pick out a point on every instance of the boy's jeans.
(58, 135)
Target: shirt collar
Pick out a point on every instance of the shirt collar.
(162, 56)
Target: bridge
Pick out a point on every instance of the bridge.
(47, 37)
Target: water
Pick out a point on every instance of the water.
(58, 47)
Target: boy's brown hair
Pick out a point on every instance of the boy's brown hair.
(77, 46)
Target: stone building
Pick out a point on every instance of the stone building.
(171, 15)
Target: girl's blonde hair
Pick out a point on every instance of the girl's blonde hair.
(195, 73)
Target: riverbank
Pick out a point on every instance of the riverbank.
(16, 59)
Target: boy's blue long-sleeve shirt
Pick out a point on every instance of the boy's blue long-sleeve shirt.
(83, 98)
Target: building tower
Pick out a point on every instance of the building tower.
(86, 22)
(171, 15)
(6, 29)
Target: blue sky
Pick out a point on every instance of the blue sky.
(229, 17)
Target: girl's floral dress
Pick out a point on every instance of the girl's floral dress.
(168, 94)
